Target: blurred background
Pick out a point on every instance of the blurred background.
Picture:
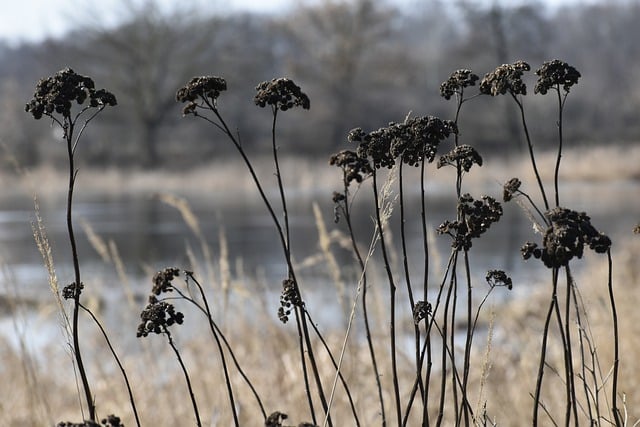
(362, 63)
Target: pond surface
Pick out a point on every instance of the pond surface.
(149, 233)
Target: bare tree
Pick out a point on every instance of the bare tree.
(331, 45)
(145, 58)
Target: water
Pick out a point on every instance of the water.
(151, 235)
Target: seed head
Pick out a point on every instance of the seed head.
(464, 154)
(283, 94)
(70, 291)
(162, 280)
(565, 238)
(275, 419)
(554, 74)
(418, 138)
(475, 218)
(204, 88)
(57, 94)
(290, 297)
(421, 310)
(499, 278)
(375, 146)
(157, 316)
(505, 78)
(456, 83)
(510, 188)
(354, 167)
(111, 421)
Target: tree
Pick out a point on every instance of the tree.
(336, 46)
(145, 59)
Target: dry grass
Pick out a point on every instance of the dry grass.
(268, 351)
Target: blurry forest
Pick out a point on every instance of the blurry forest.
(362, 62)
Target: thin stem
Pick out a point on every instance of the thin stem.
(337, 368)
(405, 257)
(392, 302)
(560, 139)
(444, 331)
(303, 362)
(365, 313)
(213, 324)
(530, 147)
(543, 350)
(225, 370)
(186, 375)
(117, 359)
(571, 387)
(68, 129)
(582, 337)
(469, 338)
(283, 199)
(302, 326)
(425, 289)
(616, 342)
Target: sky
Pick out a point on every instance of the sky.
(35, 20)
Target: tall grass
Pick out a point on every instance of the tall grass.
(367, 374)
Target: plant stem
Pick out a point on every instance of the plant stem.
(392, 302)
(616, 343)
(76, 268)
(543, 350)
(117, 359)
(405, 257)
(560, 139)
(223, 360)
(186, 375)
(365, 313)
(530, 147)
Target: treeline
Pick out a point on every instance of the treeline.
(362, 63)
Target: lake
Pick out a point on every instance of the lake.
(151, 235)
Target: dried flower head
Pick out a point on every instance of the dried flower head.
(57, 93)
(636, 229)
(282, 94)
(375, 145)
(354, 167)
(162, 280)
(457, 81)
(275, 419)
(418, 138)
(290, 297)
(499, 278)
(421, 310)
(204, 89)
(505, 78)
(464, 154)
(112, 421)
(565, 238)
(71, 291)
(510, 188)
(475, 217)
(554, 74)
(157, 316)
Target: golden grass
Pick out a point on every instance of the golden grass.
(503, 366)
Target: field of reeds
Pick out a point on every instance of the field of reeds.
(397, 336)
